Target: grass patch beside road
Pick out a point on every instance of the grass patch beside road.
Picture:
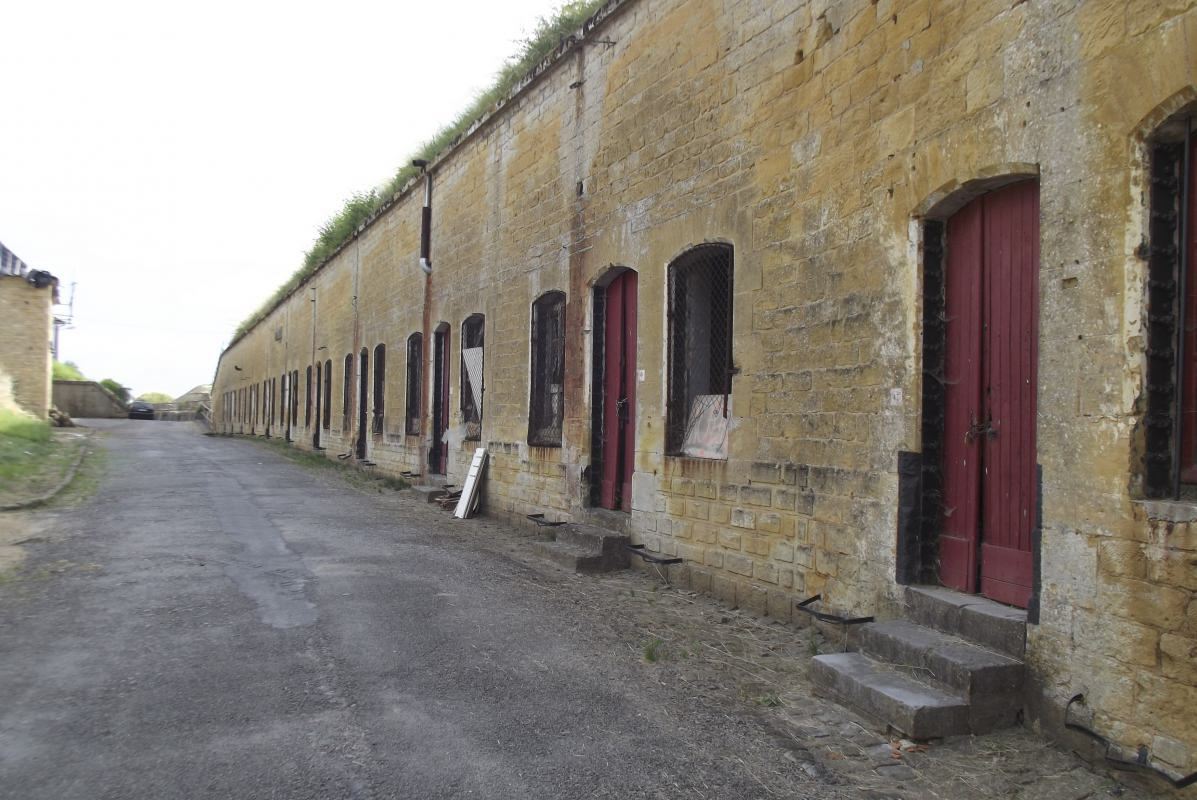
(34, 458)
(360, 478)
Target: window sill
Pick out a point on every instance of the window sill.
(699, 459)
(1170, 510)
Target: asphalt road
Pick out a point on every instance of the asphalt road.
(217, 621)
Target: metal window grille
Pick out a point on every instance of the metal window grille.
(380, 371)
(307, 401)
(295, 398)
(415, 355)
(700, 340)
(1165, 308)
(347, 394)
(327, 394)
(472, 331)
(547, 397)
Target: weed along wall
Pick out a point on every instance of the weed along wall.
(823, 297)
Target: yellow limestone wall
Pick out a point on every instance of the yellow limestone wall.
(811, 136)
(25, 357)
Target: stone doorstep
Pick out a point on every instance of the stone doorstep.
(614, 521)
(572, 557)
(584, 548)
(970, 617)
(953, 668)
(972, 671)
(919, 710)
(430, 493)
(589, 537)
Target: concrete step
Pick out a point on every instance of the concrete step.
(599, 540)
(970, 617)
(430, 493)
(917, 709)
(990, 682)
(958, 664)
(572, 557)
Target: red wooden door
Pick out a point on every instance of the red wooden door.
(619, 393)
(992, 310)
(1011, 349)
(962, 400)
(440, 401)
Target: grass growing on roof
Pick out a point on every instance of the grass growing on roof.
(547, 35)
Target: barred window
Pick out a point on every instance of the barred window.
(327, 393)
(307, 402)
(415, 355)
(546, 399)
(347, 395)
(1170, 427)
(471, 375)
(295, 398)
(700, 352)
(380, 371)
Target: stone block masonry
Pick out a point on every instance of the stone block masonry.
(821, 141)
(26, 337)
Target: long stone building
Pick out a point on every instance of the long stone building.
(826, 297)
(27, 298)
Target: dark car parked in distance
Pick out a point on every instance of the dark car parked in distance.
(140, 410)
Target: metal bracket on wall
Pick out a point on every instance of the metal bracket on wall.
(544, 523)
(1141, 762)
(652, 558)
(823, 616)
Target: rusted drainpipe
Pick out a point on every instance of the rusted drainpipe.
(425, 219)
(426, 323)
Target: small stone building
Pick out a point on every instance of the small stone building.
(826, 297)
(27, 298)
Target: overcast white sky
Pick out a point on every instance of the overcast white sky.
(177, 161)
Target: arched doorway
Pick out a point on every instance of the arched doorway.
(438, 454)
(363, 380)
(613, 418)
(980, 432)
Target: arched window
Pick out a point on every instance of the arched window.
(415, 354)
(471, 375)
(380, 371)
(546, 397)
(1170, 429)
(700, 352)
(327, 393)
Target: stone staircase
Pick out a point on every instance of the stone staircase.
(583, 548)
(954, 666)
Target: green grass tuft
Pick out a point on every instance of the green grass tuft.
(67, 371)
(14, 425)
(652, 651)
(361, 207)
